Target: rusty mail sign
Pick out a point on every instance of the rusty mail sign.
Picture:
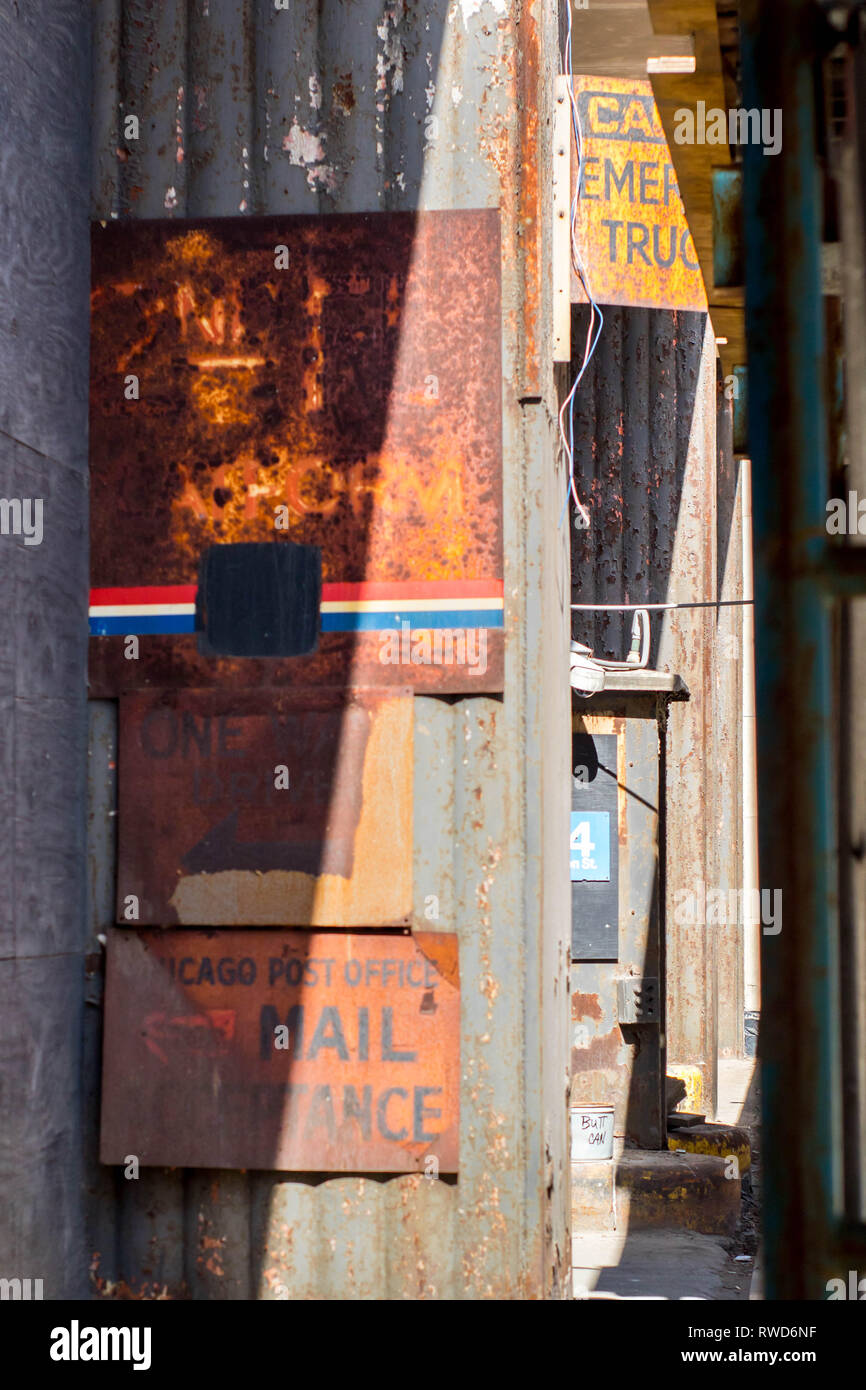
(631, 227)
(321, 1052)
(332, 383)
(265, 808)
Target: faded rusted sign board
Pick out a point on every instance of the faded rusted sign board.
(632, 234)
(259, 808)
(329, 381)
(318, 1052)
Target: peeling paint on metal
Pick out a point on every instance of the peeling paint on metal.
(470, 8)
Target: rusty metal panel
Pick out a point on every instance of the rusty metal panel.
(294, 1051)
(330, 381)
(631, 226)
(265, 808)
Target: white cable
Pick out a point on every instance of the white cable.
(627, 607)
(591, 343)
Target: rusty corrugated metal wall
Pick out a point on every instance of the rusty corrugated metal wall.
(663, 511)
(319, 107)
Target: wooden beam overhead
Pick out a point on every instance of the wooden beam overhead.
(615, 38)
(695, 163)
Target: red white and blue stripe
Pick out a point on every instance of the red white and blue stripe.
(159, 608)
(369, 606)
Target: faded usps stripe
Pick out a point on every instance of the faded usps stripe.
(362, 607)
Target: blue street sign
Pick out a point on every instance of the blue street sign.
(590, 846)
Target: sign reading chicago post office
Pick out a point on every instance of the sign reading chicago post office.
(296, 1051)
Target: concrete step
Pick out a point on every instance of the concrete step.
(679, 1119)
(642, 1189)
(724, 1141)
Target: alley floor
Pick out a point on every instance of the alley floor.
(682, 1264)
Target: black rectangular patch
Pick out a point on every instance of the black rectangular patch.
(259, 598)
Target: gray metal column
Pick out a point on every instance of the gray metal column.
(44, 324)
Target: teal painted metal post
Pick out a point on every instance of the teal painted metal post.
(795, 700)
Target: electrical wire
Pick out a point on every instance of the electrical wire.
(628, 607)
(581, 272)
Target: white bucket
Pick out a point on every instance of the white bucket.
(591, 1132)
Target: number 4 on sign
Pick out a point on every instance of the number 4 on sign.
(580, 840)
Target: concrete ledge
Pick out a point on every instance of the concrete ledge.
(685, 1191)
(723, 1141)
(655, 1189)
(645, 682)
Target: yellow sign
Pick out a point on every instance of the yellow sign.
(632, 235)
